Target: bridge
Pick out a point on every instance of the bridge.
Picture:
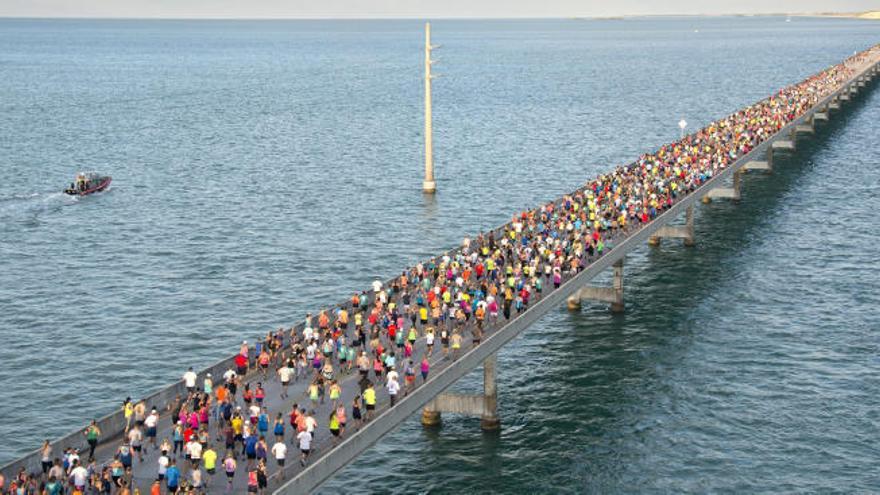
(430, 397)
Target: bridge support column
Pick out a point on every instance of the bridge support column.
(807, 128)
(765, 165)
(784, 145)
(489, 418)
(684, 232)
(485, 406)
(612, 295)
(726, 192)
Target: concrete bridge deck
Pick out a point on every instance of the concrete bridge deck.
(329, 456)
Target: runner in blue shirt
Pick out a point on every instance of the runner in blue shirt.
(172, 476)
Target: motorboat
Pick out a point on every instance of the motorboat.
(88, 183)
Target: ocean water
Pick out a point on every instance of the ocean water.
(264, 169)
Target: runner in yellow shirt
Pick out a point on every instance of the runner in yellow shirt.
(370, 400)
(210, 458)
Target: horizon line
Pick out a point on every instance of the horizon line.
(408, 17)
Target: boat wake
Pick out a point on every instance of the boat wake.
(29, 209)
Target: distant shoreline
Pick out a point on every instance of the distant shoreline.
(868, 15)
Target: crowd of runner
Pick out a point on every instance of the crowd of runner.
(386, 339)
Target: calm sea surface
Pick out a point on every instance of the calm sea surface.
(263, 169)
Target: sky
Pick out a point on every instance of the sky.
(413, 8)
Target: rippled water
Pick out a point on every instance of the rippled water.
(262, 169)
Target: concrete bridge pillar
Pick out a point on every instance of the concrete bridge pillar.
(684, 232)
(765, 165)
(807, 127)
(786, 145)
(732, 192)
(489, 417)
(485, 405)
(612, 295)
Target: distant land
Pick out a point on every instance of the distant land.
(871, 14)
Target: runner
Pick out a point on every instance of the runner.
(333, 426)
(163, 461)
(356, 411)
(335, 393)
(305, 445)
(189, 380)
(79, 476)
(409, 377)
(262, 477)
(279, 451)
(172, 477)
(456, 344)
(209, 457)
(278, 428)
(285, 373)
(425, 367)
(151, 424)
(92, 433)
(124, 454)
(229, 466)
(393, 387)
(128, 412)
(46, 458)
(370, 400)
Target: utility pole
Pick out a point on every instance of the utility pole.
(428, 186)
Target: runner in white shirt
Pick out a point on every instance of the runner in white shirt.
(285, 372)
(279, 450)
(305, 445)
(163, 466)
(195, 452)
(311, 423)
(254, 412)
(196, 477)
(393, 387)
(229, 375)
(72, 457)
(189, 379)
(135, 438)
(392, 375)
(80, 476)
(151, 422)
